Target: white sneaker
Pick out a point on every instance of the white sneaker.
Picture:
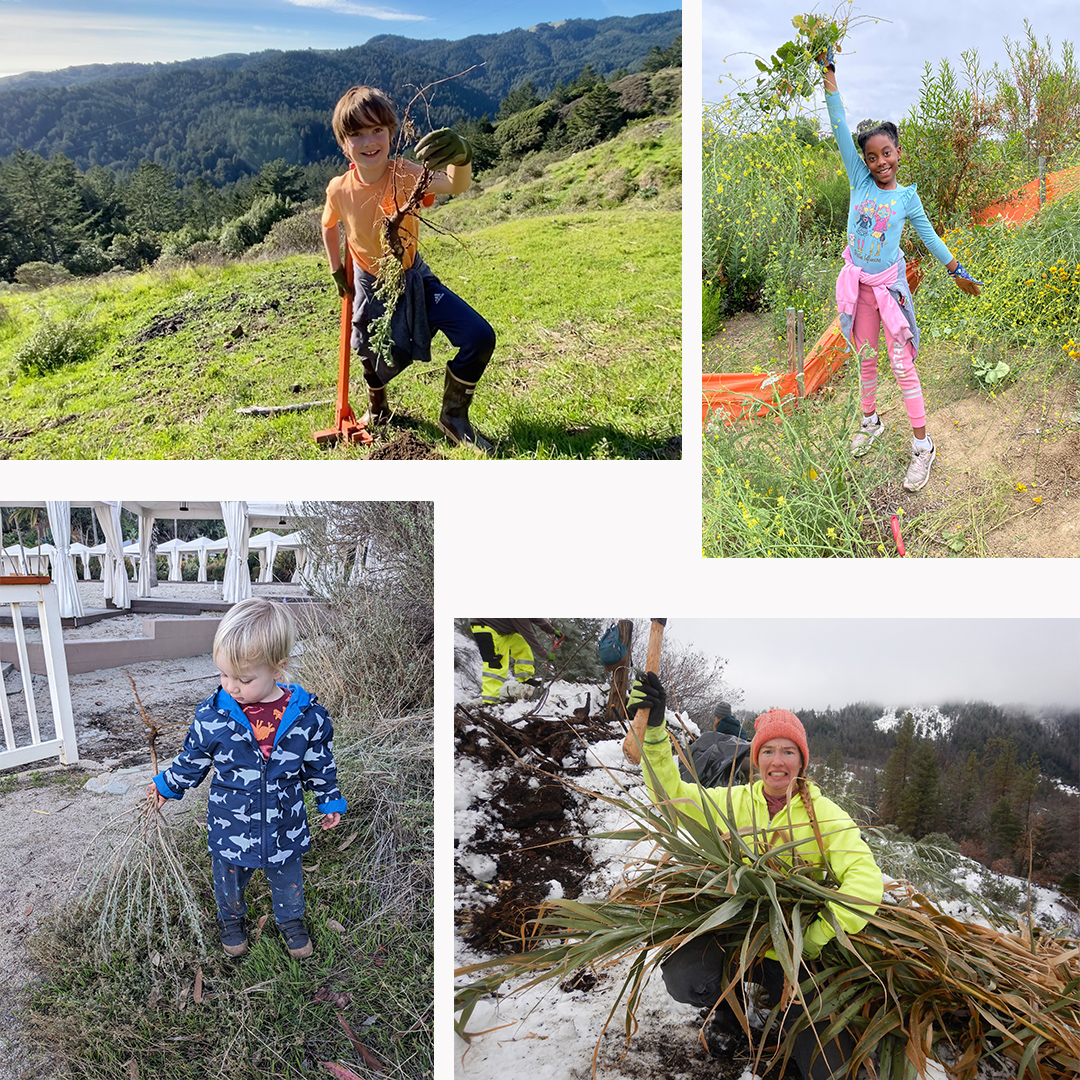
(919, 470)
(868, 432)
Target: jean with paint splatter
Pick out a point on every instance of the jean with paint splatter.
(286, 889)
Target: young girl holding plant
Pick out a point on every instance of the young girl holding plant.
(872, 287)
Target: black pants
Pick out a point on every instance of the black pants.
(693, 974)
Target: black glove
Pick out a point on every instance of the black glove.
(342, 281)
(444, 147)
(647, 691)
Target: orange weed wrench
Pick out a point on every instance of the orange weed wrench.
(347, 427)
(631, 746)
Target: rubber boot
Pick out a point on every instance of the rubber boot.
(378, 412)
(454, 418)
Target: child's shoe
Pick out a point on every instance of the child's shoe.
(868, 432)
(296, 939)
(233, 937)
(919, 470)
(378, 411)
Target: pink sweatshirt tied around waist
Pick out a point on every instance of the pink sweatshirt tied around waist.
(847, 295)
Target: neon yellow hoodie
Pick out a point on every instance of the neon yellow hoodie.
(850, 860)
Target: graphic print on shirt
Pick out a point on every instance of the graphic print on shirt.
(871, 227)
(264, 718)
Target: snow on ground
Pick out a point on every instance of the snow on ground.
(930, 723)
(552, 1031)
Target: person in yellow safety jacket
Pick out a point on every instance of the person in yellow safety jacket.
(508, 648)
(780, 806)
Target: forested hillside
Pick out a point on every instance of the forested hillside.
(996, 783)
(224, 118)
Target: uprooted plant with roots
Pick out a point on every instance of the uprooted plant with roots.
(390, 268)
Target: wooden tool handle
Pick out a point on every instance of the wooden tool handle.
(632, 743)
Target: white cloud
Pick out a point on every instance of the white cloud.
(349, 7)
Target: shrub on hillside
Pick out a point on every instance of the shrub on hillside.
(40, 275)
(56, 343)
(299, 234)
(253, 225)
(525, 131)
(133, 252)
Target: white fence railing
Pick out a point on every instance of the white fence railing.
(64, 745)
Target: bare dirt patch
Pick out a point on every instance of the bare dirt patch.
(408, 446)
(744, 340)
(1007, 476)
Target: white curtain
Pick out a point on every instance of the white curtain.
(267, 547)
(63, 570)
(113, 571)
(174, 550)
(202, 542)
(237, 584)
(147, 563)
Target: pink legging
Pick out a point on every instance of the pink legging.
(865, 331)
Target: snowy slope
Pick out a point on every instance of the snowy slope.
(552, 1031)
(930, 723)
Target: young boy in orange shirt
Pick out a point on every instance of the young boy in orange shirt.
(365, 123)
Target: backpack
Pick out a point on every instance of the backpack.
(611, 649)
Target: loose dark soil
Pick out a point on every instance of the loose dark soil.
(538, 817)
(408, 446)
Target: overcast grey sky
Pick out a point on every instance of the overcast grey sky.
(813, 663)
(881, 66)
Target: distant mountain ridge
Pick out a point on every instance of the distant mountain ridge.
(223, 117)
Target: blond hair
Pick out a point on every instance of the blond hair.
(363, 106)
(255, 632)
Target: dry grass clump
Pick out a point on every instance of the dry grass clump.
(139, 898)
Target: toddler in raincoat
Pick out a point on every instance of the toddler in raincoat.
(268, 741)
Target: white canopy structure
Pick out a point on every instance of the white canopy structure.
(239, 518)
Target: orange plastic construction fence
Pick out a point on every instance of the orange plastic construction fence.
(1023, 205)
(735, 397)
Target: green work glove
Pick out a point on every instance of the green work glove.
(341, 280)
(647, 691)
(444, 147)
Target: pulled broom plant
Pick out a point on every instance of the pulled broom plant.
(914, 986)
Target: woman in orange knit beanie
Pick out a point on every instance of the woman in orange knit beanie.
(779, 807)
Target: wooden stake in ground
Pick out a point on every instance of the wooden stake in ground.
(631, 746)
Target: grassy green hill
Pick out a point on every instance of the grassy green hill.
(585, 303)
(586, 308)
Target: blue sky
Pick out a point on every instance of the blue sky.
(56, 34)
(881, 66)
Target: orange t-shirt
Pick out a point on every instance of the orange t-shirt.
(364, 207)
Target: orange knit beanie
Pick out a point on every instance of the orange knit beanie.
(779, 724)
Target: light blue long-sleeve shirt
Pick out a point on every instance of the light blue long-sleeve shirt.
(876, 217)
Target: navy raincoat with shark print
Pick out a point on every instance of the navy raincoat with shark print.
(255, 811)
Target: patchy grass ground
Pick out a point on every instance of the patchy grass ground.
(586, 307)
(1006, 482)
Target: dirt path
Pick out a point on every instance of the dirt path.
(1007, 479)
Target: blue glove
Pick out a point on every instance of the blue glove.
(827, 60)
(962, 275)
